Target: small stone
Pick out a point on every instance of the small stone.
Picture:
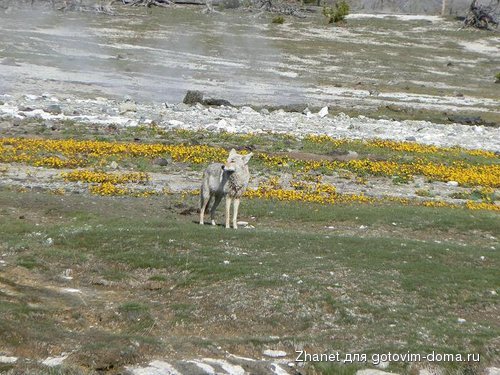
(113, 165)
(374, 372)
(215, 102)
(175, 123)
(264, 111)
(452, 183)
(242, 223)
(53, 109)
(54, 361)
(161, 161)
(492, 371)
(49, 241)
(461, 320)
(323, 112)
(6, 359)
(274, 353)
(222, 123)
(411, 139)
(383, 365)
(458, 94)
(247, 110)
(128, 106)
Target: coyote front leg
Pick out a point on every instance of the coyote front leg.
(236, 204)
(228, 211)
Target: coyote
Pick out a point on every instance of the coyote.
(229, 180)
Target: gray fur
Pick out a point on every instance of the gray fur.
(228, 180)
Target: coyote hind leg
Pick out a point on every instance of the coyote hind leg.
(204, 199)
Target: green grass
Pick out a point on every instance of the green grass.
(398, 285)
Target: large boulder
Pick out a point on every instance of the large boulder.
(192, 97)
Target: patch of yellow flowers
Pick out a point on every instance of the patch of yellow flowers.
(75, 154)
(303, 191)
(72, 153)
(399, 146)
(103, 177)
(317, 192)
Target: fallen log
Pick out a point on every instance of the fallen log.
(482, 16)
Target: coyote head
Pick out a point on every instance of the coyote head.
(236, 161)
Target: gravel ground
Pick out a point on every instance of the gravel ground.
(242, 120)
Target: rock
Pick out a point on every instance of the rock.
(161, 161)
(54, 361)
(154, 368)
(24, 108)
(216, 102)
(411, 139)
(180, 107)
(175, 123)
(53, 109)
(297, 108)
(193, 97)
(374, 92)
(323, 112)
(452, 183)
(113, 165)
(461, 320)
(128, 106)
(247, 110)
(458, 94)
(343, 155)
(426, 371)
(274, 353)
(5, 359)
(374, 372)
(492, 371)
(264, 111)
(245, 223)
(468, 120)
(230, 4)
(102, 282)
(383, 365)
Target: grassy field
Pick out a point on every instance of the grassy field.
(153, 284)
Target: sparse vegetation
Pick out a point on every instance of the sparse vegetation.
(278, 19)
(337, 13)
(356, 281)
(424, 193)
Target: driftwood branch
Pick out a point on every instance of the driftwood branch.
(482, 16)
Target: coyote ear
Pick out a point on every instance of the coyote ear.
(247, 157)
(232, 152)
